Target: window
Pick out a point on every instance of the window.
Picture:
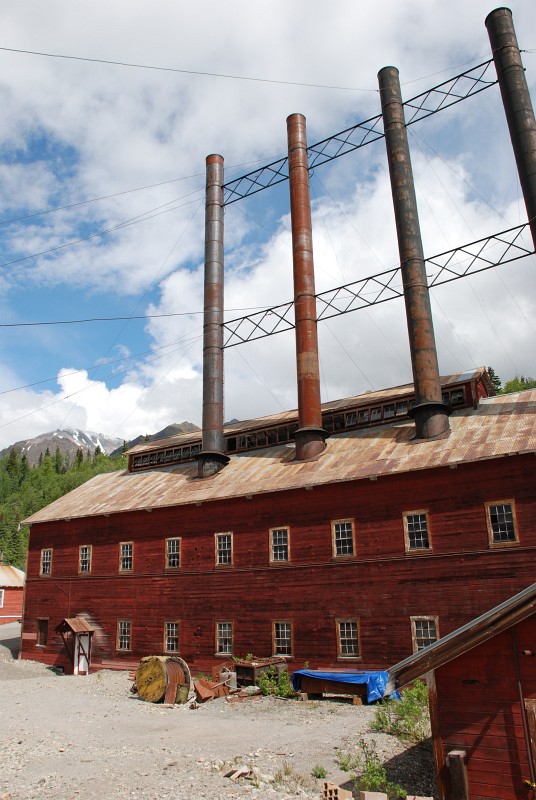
(279, 544)
(342, 532)
(124, 631)
(46, 561)
(282, 638)
(348, 638)
(1, 598)
(84, 558)
(171, 640)
(42, 632)
(416, 532)
(224, 638)
(424, 631)
(501, 521)
(173, 553)
(126, 557)
(224, 549)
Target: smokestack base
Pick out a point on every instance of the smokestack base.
(310, 442)
(210, 462)
(431, 419)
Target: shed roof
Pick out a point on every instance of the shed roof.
(77, 625)
(11, 577)
(500, 426)
(460, 641)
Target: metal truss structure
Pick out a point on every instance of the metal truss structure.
(469, 259)
(423, 105)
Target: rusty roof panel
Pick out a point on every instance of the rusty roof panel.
(78, 625)
(366, 399)
(500, 426)
(11, 576)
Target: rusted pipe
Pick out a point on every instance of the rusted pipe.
(212, 456)
(310, 436)
(517, 104)
(430, 414)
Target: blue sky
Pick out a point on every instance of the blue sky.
(85, 138)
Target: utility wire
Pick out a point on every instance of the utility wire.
(186, 71)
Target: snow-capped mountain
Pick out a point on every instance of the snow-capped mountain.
(68, 440)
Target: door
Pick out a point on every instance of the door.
(82, 647)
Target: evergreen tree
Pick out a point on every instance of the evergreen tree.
(495, 380)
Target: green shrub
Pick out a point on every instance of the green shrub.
(276, 683)
(407, 718)
(319, 771)
(370, 774)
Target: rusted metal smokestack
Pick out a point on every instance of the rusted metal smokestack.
(431, 415)
(212, 456)
(310, 436)
(517, 104)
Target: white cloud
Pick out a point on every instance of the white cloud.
(72, 131)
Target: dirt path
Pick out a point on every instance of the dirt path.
(65, 737)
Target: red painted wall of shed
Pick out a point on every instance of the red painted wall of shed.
(382, 586)
(11, 611)
(484, 718)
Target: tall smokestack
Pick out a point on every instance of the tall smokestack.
(517, 104)
(212, 457)
(431, 415)
(310, 436)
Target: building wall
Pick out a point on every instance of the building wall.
(381, 586)
(479, 712)
(11, 601)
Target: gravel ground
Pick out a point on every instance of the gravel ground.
(66, 737)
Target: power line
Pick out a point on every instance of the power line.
(186, 71)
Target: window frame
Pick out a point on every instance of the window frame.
(407, 542)
(121, 556)
(346, 656)
(118, 636)
(2, 592)
(90, 559)
(288, 622)
(177, 539)
(217, 651)
(271, 544)
(167, 636)
(422, 618)
(217, 562)
(42, 572)
(334, 523)
(507, 542)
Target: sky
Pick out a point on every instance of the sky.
(102, 172)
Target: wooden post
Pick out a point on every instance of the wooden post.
(458, 775)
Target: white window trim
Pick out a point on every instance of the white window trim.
(217, 651)
(508, 542)
(86, 571)
(166, 553)
(422, 618)
(1, 598)
(407, 545)
(343, 656)
(127, 569)
(49, 573)
(216, 559)
(336, 555)
(271, 544)
(274, 650)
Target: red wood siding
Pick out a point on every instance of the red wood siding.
(479, 712)
(11, 611)
(382, 586)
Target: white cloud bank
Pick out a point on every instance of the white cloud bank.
(72, 131)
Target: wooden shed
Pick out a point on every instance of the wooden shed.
(482, 695)
(11, 594)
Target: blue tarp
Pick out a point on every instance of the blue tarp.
(376, 681)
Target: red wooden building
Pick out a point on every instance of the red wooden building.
(355, 558)
(482, 683)
(11, 594)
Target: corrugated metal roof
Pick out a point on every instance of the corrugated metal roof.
(501, 426)
(11, 576)
(366, 399)
(78, 625)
